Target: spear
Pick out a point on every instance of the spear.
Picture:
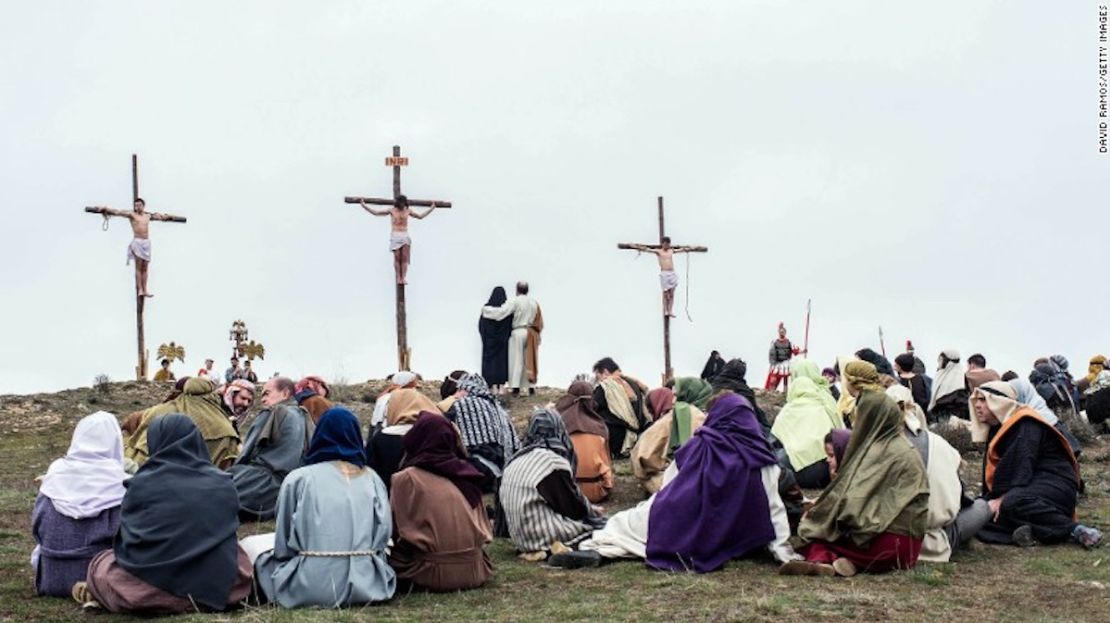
(805, 351)
(882, 344)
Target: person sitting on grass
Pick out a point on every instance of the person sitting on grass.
(874, 515)
(676, 414)
(77, 510)
(543, 506)
(590, 437)
(176, 549)
(1030, 475)
(333, 526)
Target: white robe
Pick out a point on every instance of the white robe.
(625, 534)
(523, 310)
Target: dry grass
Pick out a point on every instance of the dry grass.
(1062, 583)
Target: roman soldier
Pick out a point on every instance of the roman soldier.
(782, 351)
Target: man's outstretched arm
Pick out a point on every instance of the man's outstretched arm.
(419, 216)
(372, 210)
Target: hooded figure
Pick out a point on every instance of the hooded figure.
(801, 427)
(732, 378)
(201, 403)
(333, 526)
(681, 415)
(540, 498)
(484, 426)
(949, 397)
(724, 501)
(1030, 475)
(590, 437)
(495, 342)
(875, 511)
(77, 511)
(176, 549)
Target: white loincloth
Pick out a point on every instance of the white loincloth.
(668, 280)
(139, 249)
(398, 239)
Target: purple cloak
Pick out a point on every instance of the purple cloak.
(716, 509)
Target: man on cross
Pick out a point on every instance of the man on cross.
(399, 241)
(139, 249)
(668, 280)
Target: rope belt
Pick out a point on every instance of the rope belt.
(370, 552)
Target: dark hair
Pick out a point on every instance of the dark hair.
(522, 287)
(248, 362)
(165, 361)
(139, 200)
(1009, 375)
(285, 384)
(904, 362)
(665, 239)
(451, 384)
(977, 360)
(401, 202)
(606, 364)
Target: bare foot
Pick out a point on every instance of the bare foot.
(148, 295)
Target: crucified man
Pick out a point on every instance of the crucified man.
(399, 241)
(668, 280)
(139, 249)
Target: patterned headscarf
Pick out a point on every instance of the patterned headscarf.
(480, 419)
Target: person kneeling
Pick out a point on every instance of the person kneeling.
(440, 524)
(176, 550)
(1030, 476)
(333, 525)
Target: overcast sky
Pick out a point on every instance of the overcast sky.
(931, 169)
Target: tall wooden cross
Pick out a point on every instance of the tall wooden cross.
(140, 299)
(668, 372)
(404, 353)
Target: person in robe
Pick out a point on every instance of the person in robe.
(881, 363)
(874, 514)
(440, 527)
(385, 449)
(401, 379)
(333, 526)
(951, 523)
(200, 402)
(1030, 475)
(539, 496)
(620, 400)
(732, 378)
(712, 366)
(238, 398)
(495, 343)
(804, 368)
(676, 415)
(485, 428)
(1095, 367)
(903, 366)
(590, 437)
(176, 550)
(275, 444)
(164, 374)
(801, 427)
(719, 501)
(77, 510)
(524, 341)
(311, 393)
(1027, 395)
(949, 389)
(449, 390)
(831, 377)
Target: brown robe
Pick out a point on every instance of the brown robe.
(316, 405)
(650, 458)
(595, 474)
(438, 535)
(532, 347)
(119, 591)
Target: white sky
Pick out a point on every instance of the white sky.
(933, 169)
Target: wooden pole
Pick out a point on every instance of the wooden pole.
(403, 353)
(140, 301)
(419, 203)
(668, 372)
(396, 173)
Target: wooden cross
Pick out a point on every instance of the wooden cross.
(668, 372)
(140, 299)
(404, 353)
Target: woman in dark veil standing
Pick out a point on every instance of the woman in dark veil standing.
(495, 344)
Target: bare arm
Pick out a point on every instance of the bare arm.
(372, 210)
(106, 211)
(645, 249)
(416, 215)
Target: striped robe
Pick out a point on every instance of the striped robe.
(533, 525)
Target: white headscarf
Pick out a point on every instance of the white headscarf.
(911, 411)
(89, 479)
(1028, 396)
(950, 378)
(1002, 401)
